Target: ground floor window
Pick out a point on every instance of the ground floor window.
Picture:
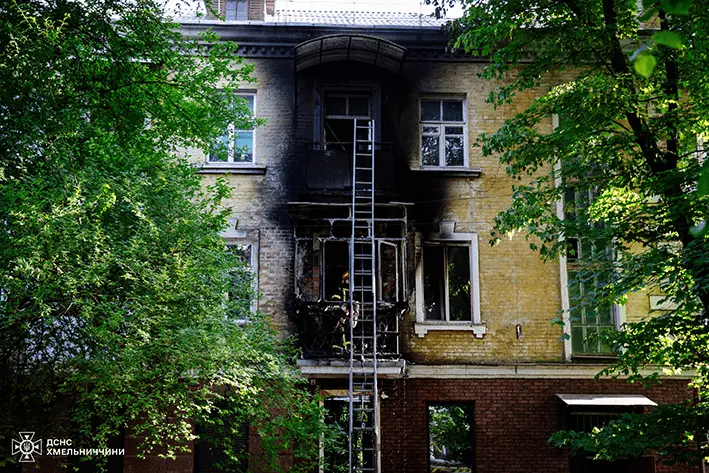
(451, 438)
(334, 456)
(586, 421)
(210, 453)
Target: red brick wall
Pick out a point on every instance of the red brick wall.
(514, 419)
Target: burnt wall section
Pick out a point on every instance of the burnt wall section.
(513, 420)
(515, 287)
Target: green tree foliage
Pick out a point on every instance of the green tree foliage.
(113, 276)
(631, 127)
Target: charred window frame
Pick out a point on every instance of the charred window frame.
(238, 143)
(444, 132)
(451, 437)
(332, 259)
(339, 109)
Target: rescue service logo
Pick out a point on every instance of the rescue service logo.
(27, 447)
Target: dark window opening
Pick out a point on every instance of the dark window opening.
(451, 438)
(336, 256)
(447, 282)
(210, 453)
(341, 109)
(335, 455)
(584, 463)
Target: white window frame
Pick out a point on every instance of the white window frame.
(441, 125)
(237, 237)
(447, 235)
(619, 310)
(232, 132)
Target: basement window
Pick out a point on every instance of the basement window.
(451, 438)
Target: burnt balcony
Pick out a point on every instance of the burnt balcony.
(328, 166)
(324, 331)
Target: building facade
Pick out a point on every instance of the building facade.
(463, 329)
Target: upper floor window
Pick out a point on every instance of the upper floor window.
(235, 10)
(443, 132)
(341, 109)
(236, 146)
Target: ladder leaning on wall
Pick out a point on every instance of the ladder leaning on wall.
(363, 427)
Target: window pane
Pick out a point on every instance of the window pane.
(249, 100)
(220, 152)
(577, 337)
(452, 111)
(431, 130)
(244, 147)
(459, 283)
(242, 275)
(433, 282)
(230, 10)
(241, 10)
(430, 110)
(336, 106)
(450, 441)
(454, 130)
(572, 253)
(605, 314)
(389, 271)
(429, 150)
(359, 106)
(454, 151)
(336, 256)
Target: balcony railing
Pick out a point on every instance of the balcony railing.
(328, 165)
(324, 331)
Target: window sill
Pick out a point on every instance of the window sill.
(422, 328)
(593, 358)
(227, 168)
(451, 171)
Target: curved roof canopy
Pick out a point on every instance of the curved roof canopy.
(350, 47)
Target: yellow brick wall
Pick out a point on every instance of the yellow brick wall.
(516, 288)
